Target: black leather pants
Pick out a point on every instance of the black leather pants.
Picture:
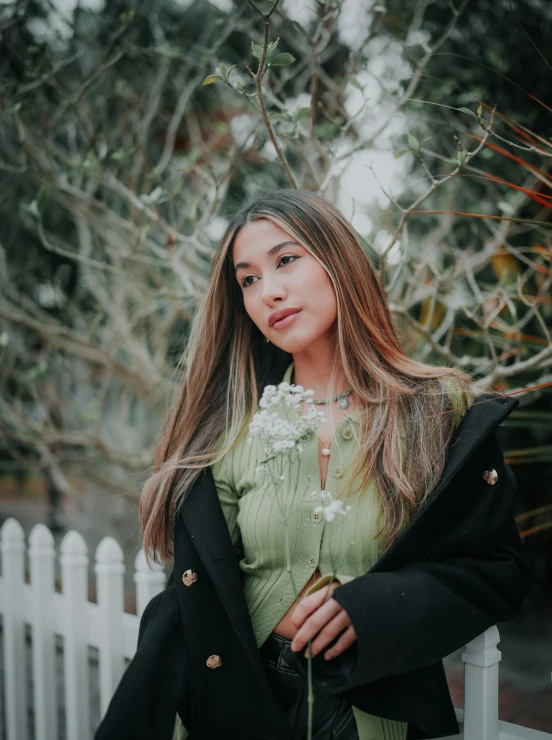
(332, 718)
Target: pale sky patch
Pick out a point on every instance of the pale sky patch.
(215, 228)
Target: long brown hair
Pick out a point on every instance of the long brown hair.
(406, 411)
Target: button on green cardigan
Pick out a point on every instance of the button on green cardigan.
(346, 547)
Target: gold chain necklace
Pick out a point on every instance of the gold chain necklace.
(326, 446)
(343, 403)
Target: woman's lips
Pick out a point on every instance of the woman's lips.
(286, 320)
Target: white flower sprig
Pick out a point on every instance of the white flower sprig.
(283, 435)
(329, 511)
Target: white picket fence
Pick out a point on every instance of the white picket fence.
(107, 627)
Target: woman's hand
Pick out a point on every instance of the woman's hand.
(319, 614)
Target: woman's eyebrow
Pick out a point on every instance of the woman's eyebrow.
(270, 252)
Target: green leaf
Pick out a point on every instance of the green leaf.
(468, 111)
(301, 113)
(281, 117)
(401, 153)
(256, 50)
(283, 60)
(496, 61)
(325, 130)
(90, 160)
(127, 16)
(320, 583)
(120, 154)
(413, 143)
(461, 157)
(33, 208)
(210, 79)
(42, 197)
(291, 134)
(353, 80)
(158, 195)
(271, 50)
(222, 69)
(33, 372)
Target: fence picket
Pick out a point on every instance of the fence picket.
(481, 657)
(110, 570)
(149, 581)
(41, 558)
(13, 573)
(74, 581)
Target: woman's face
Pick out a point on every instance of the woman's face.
(288, 277)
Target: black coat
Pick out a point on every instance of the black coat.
(457, 569)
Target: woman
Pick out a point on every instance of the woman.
(386, 446)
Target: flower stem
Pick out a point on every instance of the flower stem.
(288, 560)
(310, 699)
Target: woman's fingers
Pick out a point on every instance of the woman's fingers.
(312, 624)
(316, 622)
(333, 628)
(305, 608)
(345, 641)
(311, 603)
(320, 616)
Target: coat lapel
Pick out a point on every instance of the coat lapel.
(203, 518)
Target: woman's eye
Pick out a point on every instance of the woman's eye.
(286, 256)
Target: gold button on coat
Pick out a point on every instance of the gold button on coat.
(189, 577)
(347, 433)
(338, 471)
(490, 476)
(214, 661)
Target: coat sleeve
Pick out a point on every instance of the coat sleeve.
(155, 685)
(475, 576)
